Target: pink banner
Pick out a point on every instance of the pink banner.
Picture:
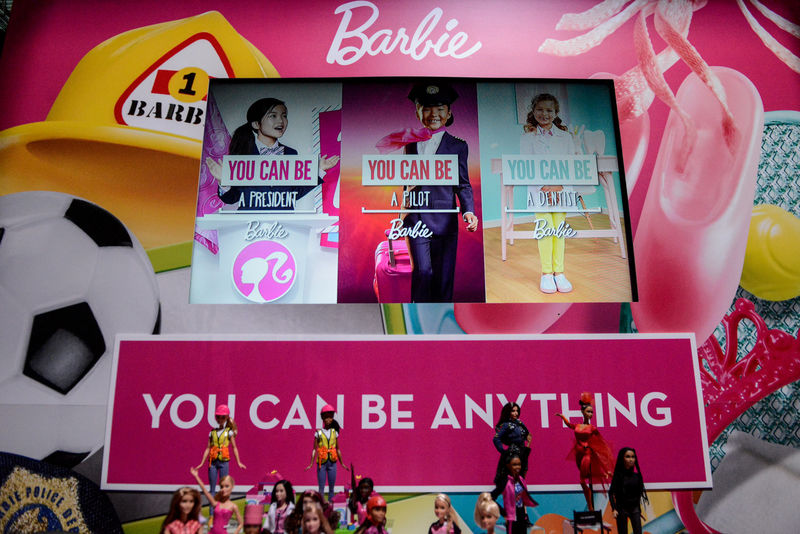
(417, 413)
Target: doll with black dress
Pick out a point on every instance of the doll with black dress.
(627, 491)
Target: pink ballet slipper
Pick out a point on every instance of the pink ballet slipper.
(731, 385)
(691, 238)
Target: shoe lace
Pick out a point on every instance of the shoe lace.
(637, 87)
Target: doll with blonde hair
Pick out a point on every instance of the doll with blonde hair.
(446, 520)
(487, 512)
(222, 504)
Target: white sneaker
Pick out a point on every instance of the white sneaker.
(547, 284)
(562, 283)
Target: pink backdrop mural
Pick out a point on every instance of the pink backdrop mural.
(60, 133)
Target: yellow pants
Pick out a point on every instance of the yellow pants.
(551, 249)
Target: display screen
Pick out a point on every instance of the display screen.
(412, 190)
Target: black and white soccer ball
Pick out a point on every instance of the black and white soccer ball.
(72, 277)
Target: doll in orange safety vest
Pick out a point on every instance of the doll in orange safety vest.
(326, 451)
(220, 441)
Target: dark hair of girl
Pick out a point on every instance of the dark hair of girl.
(619, 470)
(505, 414)
(544, 97)
(242, 141)
(287, 486)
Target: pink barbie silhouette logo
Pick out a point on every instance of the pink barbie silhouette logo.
(264, 271)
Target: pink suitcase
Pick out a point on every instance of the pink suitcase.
(392, 281)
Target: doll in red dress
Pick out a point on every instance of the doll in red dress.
(591, 452)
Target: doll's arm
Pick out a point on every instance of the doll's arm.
(211, 501)
(205, 455)
(339, 454)
(498, 438)
(313, 452)
(239, 520)
(566, 421)
(236, 453)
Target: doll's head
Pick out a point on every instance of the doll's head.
(510, 412)
(253, 518)
(310, 497)
(587, 405)
(443, 508)
(376, 510)
(282, 491)
(226, 485)
(223, 417)
(626, 460)
(326, 414)
(314, 520)
(433, 102)
(185, 506)
(544, 112)
(487, 512)
(365, 489)
(513, 462)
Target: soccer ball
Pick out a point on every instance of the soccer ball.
(71, 278)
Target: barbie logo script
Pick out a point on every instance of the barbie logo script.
(264, 271)
(385, 41)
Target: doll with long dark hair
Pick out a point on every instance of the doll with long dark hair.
(184, 513)
(512, 433)
(591, 452)
(511, 485)
(326, 451)
(357, 503)
(281, 506)
(627, 491)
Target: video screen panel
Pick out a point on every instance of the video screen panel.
(412, 190)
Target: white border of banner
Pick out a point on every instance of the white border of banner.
(550, 488)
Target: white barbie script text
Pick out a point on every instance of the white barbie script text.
(385, 41)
